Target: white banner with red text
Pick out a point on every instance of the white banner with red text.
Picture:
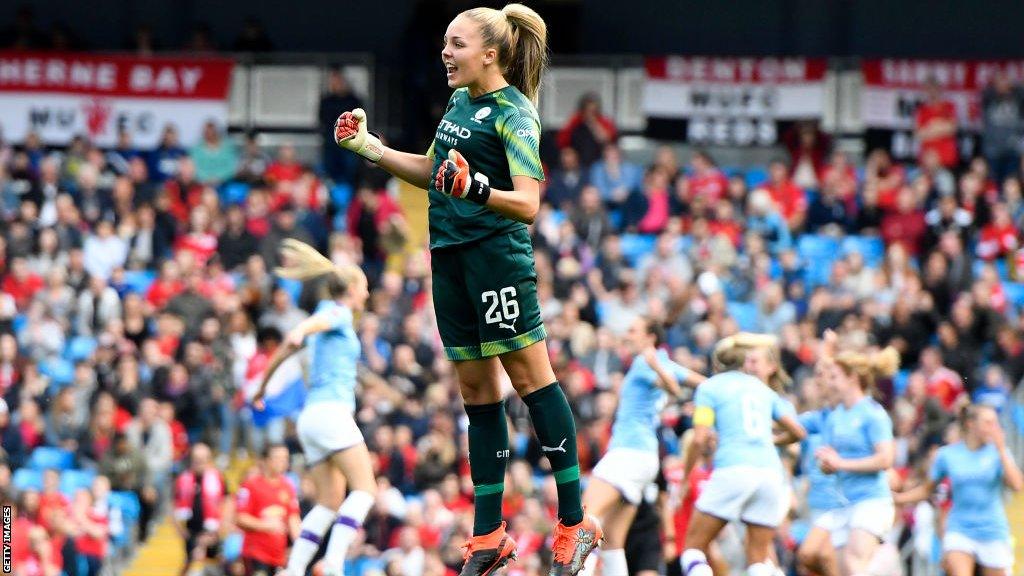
(60, 96)
(894, 88)
(730, 101)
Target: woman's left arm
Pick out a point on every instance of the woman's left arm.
(520, 204)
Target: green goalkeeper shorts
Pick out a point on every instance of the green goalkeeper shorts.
(485, 296)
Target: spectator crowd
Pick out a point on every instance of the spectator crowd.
(139, 308)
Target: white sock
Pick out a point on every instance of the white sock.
(766, 568)
(350, 518)
(614, 563)
(314, 526)
(590, 564)
(694, 563)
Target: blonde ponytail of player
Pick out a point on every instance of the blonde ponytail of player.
(521, 38)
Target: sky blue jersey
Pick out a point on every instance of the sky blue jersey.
(334, 353)
(640, 400)
(977, 482)
(853, 433)
(822, 489)
(743, 409)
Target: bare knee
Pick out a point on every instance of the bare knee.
(529, 369)
(479, 381)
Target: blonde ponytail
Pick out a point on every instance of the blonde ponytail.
(306, 263)
(869, 366)
(521, 38)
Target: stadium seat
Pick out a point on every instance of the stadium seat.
(234, 192)
(73, 480)
(27, 479)
(745, 314)
(127, 503)
(292, 287)
(817, 252)
(615, 218)
(60, 371)
(756, 176)
(1014, 293)
(46, 457)
(813, 246)
(231, 548)
(19, 322)
(341, 195)
(1003, 269)
(79, 348)
(139, 281)
(871, 248)
(899, 382)
(635, 246)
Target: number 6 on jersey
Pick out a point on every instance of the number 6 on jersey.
(502, 307)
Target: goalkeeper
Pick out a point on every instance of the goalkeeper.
(483, 174)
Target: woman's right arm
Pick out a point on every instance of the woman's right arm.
(413, 168)
(350, 133)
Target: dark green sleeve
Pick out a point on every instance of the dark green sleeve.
(521, 137)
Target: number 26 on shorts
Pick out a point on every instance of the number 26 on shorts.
(502, 307)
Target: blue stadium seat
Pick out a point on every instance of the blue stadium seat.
(19, 322)
(231, 548)
(871, 248)
(634, 246)
(234, 192)
(899, 382)
(615, 218)
(756, 176)
(341, 195)
(813, 246)
(127, 503)
(1003, 269)
(73, 480)
(58, 370)
(292, 287)
(27, 479)
(817, 252)
(46, 457)
(79, 348)
(558, 217)
(745, 314)
(1018, 418)
(1014, 293)
(139, 281)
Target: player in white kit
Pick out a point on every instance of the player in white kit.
(333, 445)
(747, 481)
(618, 481)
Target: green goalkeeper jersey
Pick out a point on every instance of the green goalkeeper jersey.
(499, 135)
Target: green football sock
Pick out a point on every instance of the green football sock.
(556, 429)
(488, 458)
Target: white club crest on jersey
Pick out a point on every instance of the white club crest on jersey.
(481, 114)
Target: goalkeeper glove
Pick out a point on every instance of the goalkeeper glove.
(350, 133)
(453, 178)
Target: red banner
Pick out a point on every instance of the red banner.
(736, 70)
(730, 101)
(950, 74)
(120, 76)
(59, 96)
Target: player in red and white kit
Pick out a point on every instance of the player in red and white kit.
(268, 513)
